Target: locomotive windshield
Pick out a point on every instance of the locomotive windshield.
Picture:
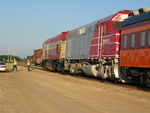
(117, 20)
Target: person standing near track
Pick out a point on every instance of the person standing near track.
(15, 63)
(28, 64)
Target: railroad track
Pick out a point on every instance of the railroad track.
(92, 78)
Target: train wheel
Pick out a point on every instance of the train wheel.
(116, 81)
(63, 71)
(72, 68)
(58, 67)
(53, 66)
(148, 79)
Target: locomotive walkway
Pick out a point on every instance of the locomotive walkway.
(47, 92)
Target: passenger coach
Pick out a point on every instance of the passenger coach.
(135, 46)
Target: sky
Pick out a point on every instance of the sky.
(26, 24)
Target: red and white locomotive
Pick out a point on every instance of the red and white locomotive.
(54, 52)
(94, 49)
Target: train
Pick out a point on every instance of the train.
(116, 47)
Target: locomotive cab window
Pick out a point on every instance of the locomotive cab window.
(106, 28)
(143, 36)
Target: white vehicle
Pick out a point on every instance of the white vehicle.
(2, 66)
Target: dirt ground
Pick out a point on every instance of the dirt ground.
(48, 92)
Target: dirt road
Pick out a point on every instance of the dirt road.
(47, 92)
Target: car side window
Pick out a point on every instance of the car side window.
(125, 41)
(133, 40)
(149, 37)
(143, 36)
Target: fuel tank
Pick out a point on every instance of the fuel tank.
(90, 70)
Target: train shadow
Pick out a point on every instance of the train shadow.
(110, 81)
(142, 87)
(94, 78)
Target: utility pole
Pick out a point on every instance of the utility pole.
(8, 54)
(11, 54)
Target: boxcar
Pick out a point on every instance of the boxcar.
(37, 57)
(94, 48)
(54, 52)
(135, 47)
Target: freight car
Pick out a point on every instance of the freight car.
(135, 47)
(37, 57)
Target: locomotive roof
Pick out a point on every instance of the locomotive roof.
(136, 19)
(95, 22)
(61, 36)
(107, 18)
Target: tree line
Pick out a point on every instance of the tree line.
(9, 58)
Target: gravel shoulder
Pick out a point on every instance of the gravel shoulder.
(48, 92)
